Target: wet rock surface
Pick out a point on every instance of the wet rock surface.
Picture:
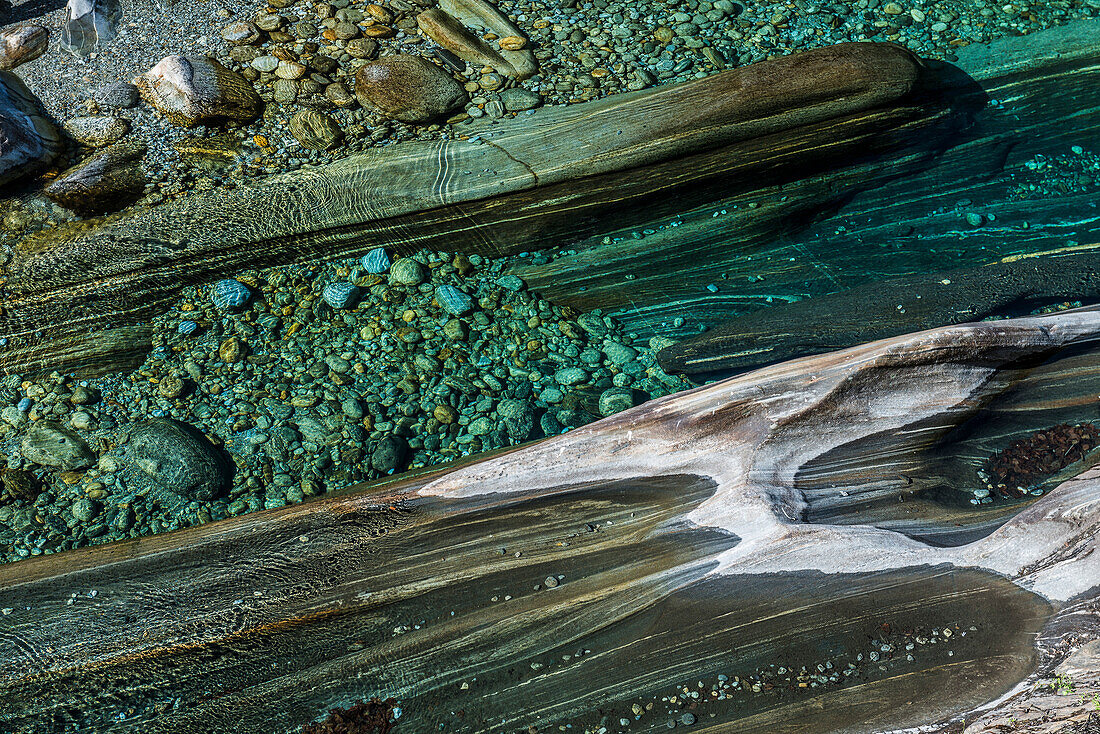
(198, 89)
(178, 458)
(408, 88)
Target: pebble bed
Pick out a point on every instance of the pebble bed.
(585, 50)
(434, 358)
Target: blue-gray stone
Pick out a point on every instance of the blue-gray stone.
(513, 283)
(376, 261)
(453, 301)
(340, 295)
(570, 376)
(229, 294)
(187, 327)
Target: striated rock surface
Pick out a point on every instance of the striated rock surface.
(480, 14)
(107, 181)
(22, 44)
(28, 140)
(197, 90)
(408, 88)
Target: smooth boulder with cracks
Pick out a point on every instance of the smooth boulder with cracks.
(178, 458)
(408, 88)
(197, 90)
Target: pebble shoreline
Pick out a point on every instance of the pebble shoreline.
(436, 358)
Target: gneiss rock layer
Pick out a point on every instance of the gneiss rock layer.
(677, 541)
(551, 171)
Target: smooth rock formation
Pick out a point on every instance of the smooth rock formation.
(408, 88)
(97, 132)
(314, 129)
(107, 181)
(22, 44)
(480, 14)
(50, 444)
(445, 30)
(198, 90)
(28, 139)
(177, 458)
(90, 24)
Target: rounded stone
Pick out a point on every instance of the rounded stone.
(570, 376)
(315, 130)
(50, 444)
(85, 509)
(407, 272)
(389, 455)
(117, 95)
(178, 458)
(241, 33)
(376, 261)
(229, 294)
(616, 400)
(518, 99)
(408, 88)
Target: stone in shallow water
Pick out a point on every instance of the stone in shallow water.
(229, 294)
(453, 301)
(187, 327)
(50, 444)
(408, 88)
(407, 271)
(616, 400)
(389, 455)
(28, 140)
(178, 458)
(518, 99)
(340, 295)
(376, 261)
(107, 181)
(90, 24)
(314, 130)
(197, 89)
(22, 44)
(117, 95)
(97, 132)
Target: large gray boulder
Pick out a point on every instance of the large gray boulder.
(178, 458)
(29, 141)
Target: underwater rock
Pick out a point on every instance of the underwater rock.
(453, 301)
(377, 261)
(28, 140)
(314, 130)
(50, 444)
(22, 44)
(229, 294)
(186, 328)
(480, 14)
(616, 400)
(407, 271)
(340, 295)
(197, 89)
(408, 88)
(518, 99)
(117, 95)
(97, 132)
(107, 181)
(90, 24)
(389, 455)
(178, 458)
